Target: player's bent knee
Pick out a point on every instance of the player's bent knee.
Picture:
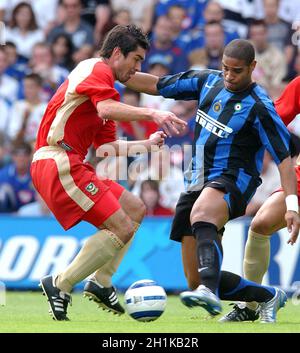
(198, 216)
(260, 225)
(122, 226)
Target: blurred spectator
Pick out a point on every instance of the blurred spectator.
(27, 113)
(133, 130)
(83, 53)
(289, 11)
(297, 64)
(42, 63)
(44, 10)
(162, 44)
(80, 31)
(238, 13)
(5, 115)
(97, 13)
(141, 11)
(136, 130)
(271, 66)
(184, 110)
(210, 56)
(62, 51)
(9, 87)
(150, 196)
(16, 187)
(37, 208)
(4, 149)
(177, 14)
(194, 10)
(158, 65)
(120, 17)
(279, 31)
(160, 168)
(270, 182)
(213, 13)
(16, 63)
(23, 29)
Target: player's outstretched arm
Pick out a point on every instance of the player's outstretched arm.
(289, 184)
(144, 83)
(123, 147)
(113, 110)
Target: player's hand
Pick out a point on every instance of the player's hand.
(168, 121)
(157, 138)
(293, 224)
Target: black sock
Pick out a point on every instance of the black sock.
(209, 253)
(235, 288)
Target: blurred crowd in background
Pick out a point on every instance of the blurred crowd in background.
(46, 39)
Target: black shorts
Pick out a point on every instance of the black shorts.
(237, 204)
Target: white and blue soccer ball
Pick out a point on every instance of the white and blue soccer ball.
(145, 300)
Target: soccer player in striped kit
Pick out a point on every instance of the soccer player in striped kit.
(270, 217)
(235, 123)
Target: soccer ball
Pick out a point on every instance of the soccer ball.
(145, 300)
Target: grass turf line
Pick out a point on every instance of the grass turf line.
(28, 312)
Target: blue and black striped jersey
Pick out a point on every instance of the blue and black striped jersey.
(232, 129)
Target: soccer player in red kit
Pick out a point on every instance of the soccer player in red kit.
(270, 217)
(83, 113)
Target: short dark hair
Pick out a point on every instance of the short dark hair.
(240, 49)
(127, 38)
(35, 78)
(23, 147)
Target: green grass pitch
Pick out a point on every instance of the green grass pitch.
(28, 312)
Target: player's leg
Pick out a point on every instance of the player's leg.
(74, 193)
(181, 231)
(206, 218)
(189, 261)
(96, 251)
(235, 288)
(269, 219)
(135, 209)
(99, 287)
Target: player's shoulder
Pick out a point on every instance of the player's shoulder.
(88, 63)
(261, 97)
(95, 68)
(295, 81)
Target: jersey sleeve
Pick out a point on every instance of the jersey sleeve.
(183, 86)
(273, 133)
(99, 85)
(288, 104)
(108, 133)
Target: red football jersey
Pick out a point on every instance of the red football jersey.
(71, 117)
(288, 104)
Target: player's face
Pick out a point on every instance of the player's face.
(237, 74)
(126, 67)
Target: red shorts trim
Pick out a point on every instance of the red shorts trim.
(297, 170)
(72, 190)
